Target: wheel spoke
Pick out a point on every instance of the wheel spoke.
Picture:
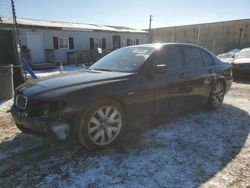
(102, 137)
(109, 133)
(101, 114)
(219, 94)
(220, 87)
(114, 129)
(113, 116)
(114, 121)
(97, 135)
(216, 90)
(95, 121)
(107, 111)
(219, 97)
(93, 129)
(215, 100)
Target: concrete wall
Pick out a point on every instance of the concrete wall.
(218, 37)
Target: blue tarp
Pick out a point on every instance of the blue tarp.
(28, 68)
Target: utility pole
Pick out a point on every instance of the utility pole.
(1, 23)
(240, 37)
(16, 31)
(149, 30)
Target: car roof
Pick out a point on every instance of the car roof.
(159, 45)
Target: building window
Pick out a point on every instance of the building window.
(104, 43)
(71, 43)
(55, 43)
(128, 42)
(63, 43)
(132, 42)
(116, 41)
(98, 43)
(91, 43)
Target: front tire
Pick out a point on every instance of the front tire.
(102, 125)
(216, 96)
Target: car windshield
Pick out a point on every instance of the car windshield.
(244, 54)
(128, 59)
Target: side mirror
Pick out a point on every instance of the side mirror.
(159, 69)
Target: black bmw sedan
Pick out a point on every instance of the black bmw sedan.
(96, 105)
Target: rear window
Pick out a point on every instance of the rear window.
(193, 57)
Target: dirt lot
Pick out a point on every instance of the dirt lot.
(202, 149)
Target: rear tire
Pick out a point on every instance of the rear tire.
(216, 96)
(101, 125)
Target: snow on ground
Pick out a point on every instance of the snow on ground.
(10, 135)
(206, 149)
(5, 106)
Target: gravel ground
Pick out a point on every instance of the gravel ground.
(202, 149)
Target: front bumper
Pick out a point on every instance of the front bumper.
(41, 126)
(29, 125)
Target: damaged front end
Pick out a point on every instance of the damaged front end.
(43, 118)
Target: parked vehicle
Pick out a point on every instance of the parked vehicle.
(96, 105)
(241, 63)
(228, 56)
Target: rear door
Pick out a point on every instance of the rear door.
(200, 76)
(209, 64)
(165, 92)
(116, 41)
(35, 44)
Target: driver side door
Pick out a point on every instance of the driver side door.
(165, 93)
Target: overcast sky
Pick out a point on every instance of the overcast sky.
(132, 13)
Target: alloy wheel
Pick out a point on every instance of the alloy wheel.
(105, 125)
(218, 94)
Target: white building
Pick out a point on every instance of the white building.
(50, 41)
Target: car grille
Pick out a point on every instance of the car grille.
(21, 101)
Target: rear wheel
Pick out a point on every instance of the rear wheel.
(216, 97)
(101, 125)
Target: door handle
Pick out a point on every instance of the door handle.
(183, 75)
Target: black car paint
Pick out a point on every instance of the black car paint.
(241, 64)
(241, 67)
(143, 95)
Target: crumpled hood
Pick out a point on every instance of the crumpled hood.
(74, 78)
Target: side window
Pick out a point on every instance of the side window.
(193, 57)
(171, 57)
(208, 60)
